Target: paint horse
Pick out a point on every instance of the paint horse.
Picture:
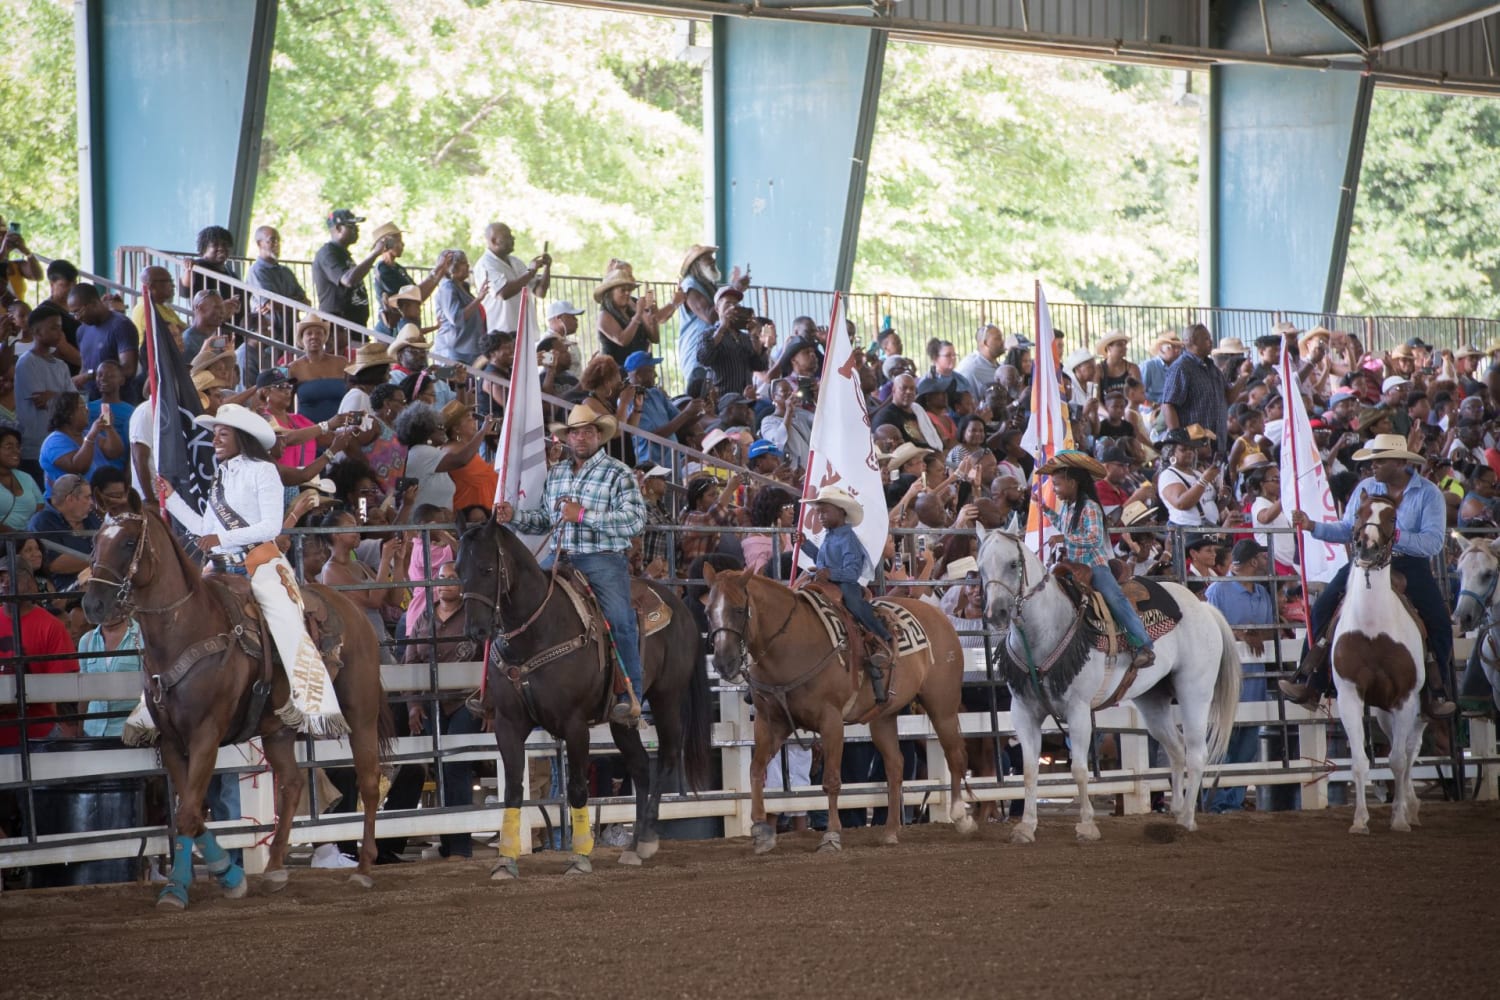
(1196, 662)
(1478, 607)
(1378, 659)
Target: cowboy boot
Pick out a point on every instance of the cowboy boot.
(1308, 684)
(1436, 704)
(875, 665)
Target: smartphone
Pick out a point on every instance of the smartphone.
(405, 483)
(549, 358)
(364, 510)
(106, 415)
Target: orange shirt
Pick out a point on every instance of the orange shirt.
(474, 485)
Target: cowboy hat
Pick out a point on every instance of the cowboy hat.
(409, 335)
(1253, 460)
(1468, 351)
(583, 415)
(1386, 446)
(613, 280)
(1314, 334)
(1166, 337)
(1197, 432)
(1112, 337)
(1285, 329)
(371, 354)
(451, 413)
(1229, 345)
(714, 438)
(693, 253)
(842, 500)
(906, 451)
(1136, 512)
(1370, 417)
(312, 322)
(1070, 458)
(958, 569)
(321, 490)
(236, 416)
(1079, 357)
(1402, 351)
(406, 293)
(208, 355)
(383, 230)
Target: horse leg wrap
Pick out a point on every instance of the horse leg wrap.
(217, 861)
(510, 834)
(182, 872)
(583, 833)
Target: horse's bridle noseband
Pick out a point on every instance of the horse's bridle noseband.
(1020, 593)
(124, 597)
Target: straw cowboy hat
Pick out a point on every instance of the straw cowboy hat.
(583, 415)
(311, 323)
(452, 413)
(410, 336)
(1468, 351)
(240, 418)
(208, 355)
(321, 491)
(1166, 337)
(620, 278)
(1314, 334)
(1386, 446)
(1404, 351)
(406, 293)
(1285, 329)
(693, 253)
(1229, 345)
(842, 500)
(371, 354)
(1136, 512)
(1070, 458)
(958, 569)
(1253, 460)
(1112, 337)
(1372, 416)
(905, 452)
(383, 230)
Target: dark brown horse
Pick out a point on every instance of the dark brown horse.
(139, 568)
(545, 669)
(798, 677)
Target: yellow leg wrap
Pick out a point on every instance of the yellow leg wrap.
(510, 834)
(583, 834)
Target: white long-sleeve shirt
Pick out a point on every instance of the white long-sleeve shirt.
(253, 489)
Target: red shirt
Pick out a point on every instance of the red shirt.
(41, 633)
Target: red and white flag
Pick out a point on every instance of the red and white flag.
(521, 455)
(1048, 430)
(1304, 481)
(841, 447)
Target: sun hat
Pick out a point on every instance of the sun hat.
(693, 253)
(1386, 446)
(640, 359)
(409, 335)
(618, 278)
(239, 417)
(1228, 346)
(406, 293)
(1112, 337)
(562, 307)
(371, 354)
(1071, 458)
(763, 447)
(841, 499)
(906, 451)
(383, 230)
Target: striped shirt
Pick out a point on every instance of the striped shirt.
(1089, 542)
(614, 511)
(1198, 389)
(733, 359)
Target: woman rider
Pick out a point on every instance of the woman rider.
(1084, 539)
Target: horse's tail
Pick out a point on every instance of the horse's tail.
(1226, 690)
(697, 726)
(385, 729)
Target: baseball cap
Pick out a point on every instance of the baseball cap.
(764, 447)
(1015, 340)
(273, 377)
(1245, 549)
(342, 217)
(1339, 397)
(640, 359)
(728, 290)
(1393, 381)
(657, 471)
(563, 308)
(729, 399)
(66, 485)
(1418, 342)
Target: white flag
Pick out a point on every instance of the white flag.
(841, 448)
(521, 456)
(1304, 481)
(1048, 430)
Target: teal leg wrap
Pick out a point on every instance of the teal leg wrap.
(216, 859)
(182, 869)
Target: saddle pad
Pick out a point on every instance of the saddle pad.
(1158, 610)
(907, 631)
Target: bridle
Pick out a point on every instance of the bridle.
(125, 586)
(741, 617)
(502, 586)
(1383, 551)
(1020, 593)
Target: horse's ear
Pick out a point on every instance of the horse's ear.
(134, 500)
(982, 532)
(1493, 545)
(709, 573)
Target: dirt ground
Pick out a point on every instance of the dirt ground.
(1288, 904)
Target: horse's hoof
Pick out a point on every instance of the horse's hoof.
(890, 840)
(763, 845)
(647, 848)
(238, 890)
(580, 866)
(965, 825)
(173, 897)
(361, 880)
(1087, 832)
(832, 844)
(275, 881)
(1188, 826)
(1400, 826)
(1023, 835)
(1361, 829)
(630, 858)
(506, 871)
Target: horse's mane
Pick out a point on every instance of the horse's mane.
(1070, 659)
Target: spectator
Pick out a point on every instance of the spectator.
(707, 506)
(764, 458)
(391, 277)
(77, 445)
(17, 272)
(730, 354)
(963, 602)
(317, 376)
(1165, 351)
(371, 367)
(505, 276)
(1248, 608)
(1190, 491)
(208, 317)
(945, 366)
(298, 437)
(979, 367)
(499, 351)
(215, 244)
(70, 519)
(656, 540)
(116, 647)
(269, 274)
(699, 284)
(475, 482)
(62, 278)
(628, 325)
(932, 397)
(159, 291)
(652, 411)
(554, 358)
(343, 570)
(431, 457)
(383, 453)
(409, 351)
(104, 335)
(22, 496)
(41, 635)
(789, 426)
(460, 312)
(338, 280)
(562, 321)
(1115, 369)
(799, 360)
(775, 510)
(1196, 391)
(1016, 369)
(215, 375)
(902, 413)
(110, 487)
(41, 376)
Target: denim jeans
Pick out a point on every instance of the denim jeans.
(1119, 606)
(223, 800)
(1421, 590)
(854, 601)
(458, 783)
(609, 575)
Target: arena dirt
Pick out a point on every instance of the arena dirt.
(1252, 904)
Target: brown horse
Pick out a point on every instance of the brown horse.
(203, 691)
(797, 676)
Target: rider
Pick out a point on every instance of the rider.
(599, 510)
(1085, 540)
(841, 560)
(238, 527)
(1421, 521)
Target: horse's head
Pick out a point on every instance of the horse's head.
(728, 609)
(484, 571)
(124, 560)
(1478, 574)
(1003, 572)
(1374, 532)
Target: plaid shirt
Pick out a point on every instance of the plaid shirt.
(1087, 544)
(1198, 390)
(614, 511)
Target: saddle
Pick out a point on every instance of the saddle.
(1157, 609)
(828, 600)
(325, 626)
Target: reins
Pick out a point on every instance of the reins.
(125, 586)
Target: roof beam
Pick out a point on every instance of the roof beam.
(1336, 19)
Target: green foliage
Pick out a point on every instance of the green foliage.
(38, 116)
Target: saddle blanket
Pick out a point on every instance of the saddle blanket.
(1158, 610)
(905, 629)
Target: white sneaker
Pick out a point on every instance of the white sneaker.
(433, 853)
(329, 856)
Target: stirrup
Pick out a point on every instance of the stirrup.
(1437, 706)
(1143, 657)
(626, 711)
(1300, 693)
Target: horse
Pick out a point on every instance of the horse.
(1196, 661)
(763, 630)
(1479, 572)
(209, 698)
(1378, 661)
(546, 666)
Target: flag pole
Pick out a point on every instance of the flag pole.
(1290, 434)
(148, 313)
(1036, 412)
(808, 490)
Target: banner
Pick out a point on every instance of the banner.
(1048, 431)
(182, 453)
(521, 455)
(841, 449)
(1304, 481)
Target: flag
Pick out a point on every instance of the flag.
(521, 455)
(181, 451)
(1048, 430)
(1304, 481)
(841, 447)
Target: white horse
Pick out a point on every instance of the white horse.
(1478, 573)
(1378, 659)
(1197, 662)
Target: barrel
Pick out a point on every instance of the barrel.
(84, 806)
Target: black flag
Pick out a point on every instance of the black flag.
(182, 452)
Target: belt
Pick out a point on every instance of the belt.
(228, 558)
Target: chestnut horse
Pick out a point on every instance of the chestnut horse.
(797, 676)
(140, 569)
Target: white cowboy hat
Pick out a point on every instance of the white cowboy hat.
(1229, 345)
(960, 568)
(842, 500)
(410, 336)
(371, 354)
(1112, 337)
(713, 439)
(236, 416)
(905, 452)
(406, 293)
(1073, 360)
(1387, 446)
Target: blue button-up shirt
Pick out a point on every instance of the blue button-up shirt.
(657, 412)
(1154, 378)
(1421, 518)
(842, 555)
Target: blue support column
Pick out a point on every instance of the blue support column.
(171, 103)
(1285, 147)
(794, 113)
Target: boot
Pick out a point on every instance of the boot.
(1311, 679)
(875, 665)
(1435, 702)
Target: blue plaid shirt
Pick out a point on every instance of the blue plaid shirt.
(1198, 390)
(614, 511)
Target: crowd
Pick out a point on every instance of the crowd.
(367, 436)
